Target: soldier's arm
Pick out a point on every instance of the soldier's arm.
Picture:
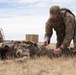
(48, 30)
(70, 25)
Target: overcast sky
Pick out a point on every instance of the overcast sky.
(21, 17)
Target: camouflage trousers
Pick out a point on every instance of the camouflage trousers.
(60, 38)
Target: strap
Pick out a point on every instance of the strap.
(67, 10)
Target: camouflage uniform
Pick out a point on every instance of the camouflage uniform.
(65, 29)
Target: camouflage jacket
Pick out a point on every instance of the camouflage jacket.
(64, 25)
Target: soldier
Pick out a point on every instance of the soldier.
(63, 22)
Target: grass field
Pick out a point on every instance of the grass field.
(40, 66)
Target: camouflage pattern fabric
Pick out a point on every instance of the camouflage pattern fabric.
(65, 28)
(22, 51)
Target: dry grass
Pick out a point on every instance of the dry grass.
(40, 66)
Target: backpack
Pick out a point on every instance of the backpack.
(66, 10)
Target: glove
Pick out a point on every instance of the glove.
(46, 42)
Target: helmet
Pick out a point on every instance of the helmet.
(54, 11)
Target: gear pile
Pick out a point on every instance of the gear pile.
(30, 50)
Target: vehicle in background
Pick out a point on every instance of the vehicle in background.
(2, 38)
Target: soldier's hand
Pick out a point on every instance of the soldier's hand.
(57, 51)
(46, 42)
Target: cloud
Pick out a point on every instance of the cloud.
(15, 8)
(17, 28)
(20, 17)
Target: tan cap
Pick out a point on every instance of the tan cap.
(54, 11)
